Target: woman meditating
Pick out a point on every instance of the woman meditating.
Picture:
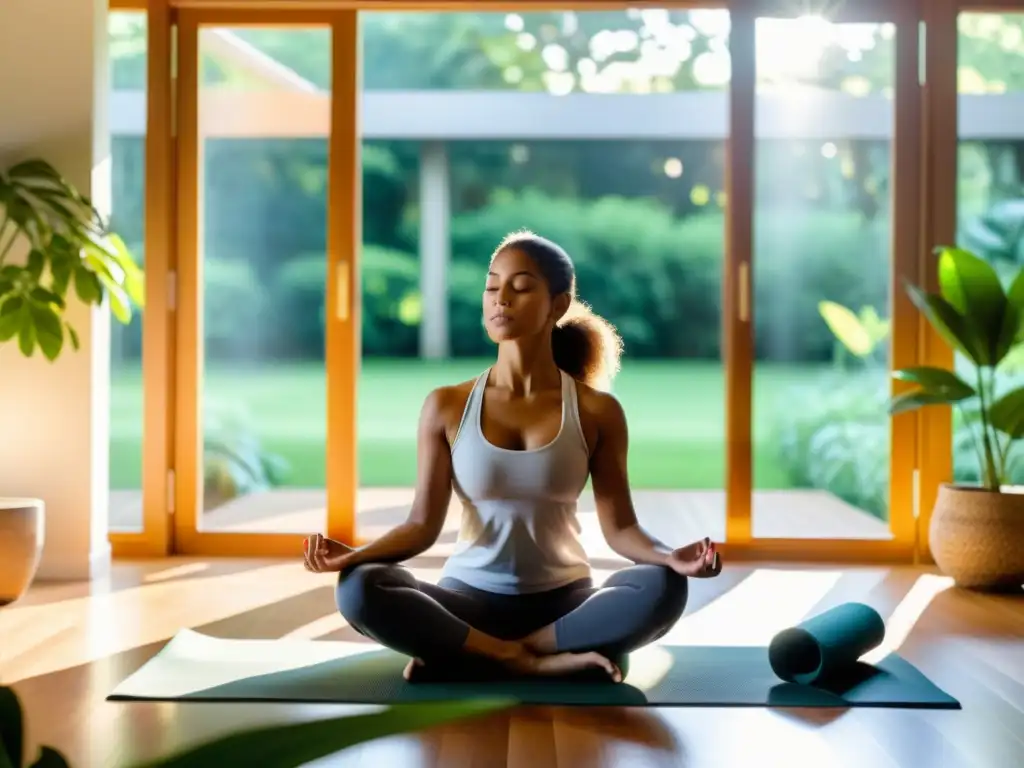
(517, 445)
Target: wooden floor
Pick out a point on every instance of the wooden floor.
(66, 646)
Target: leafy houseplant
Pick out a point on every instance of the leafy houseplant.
(975, 533)
(275, 746)
(67, 246)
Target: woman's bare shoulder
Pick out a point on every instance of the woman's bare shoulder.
(444, 405)
(601, 415)
(597, 404)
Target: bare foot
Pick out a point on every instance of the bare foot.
(558, 664)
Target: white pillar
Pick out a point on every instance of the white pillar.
(54, 430)
(435, 245)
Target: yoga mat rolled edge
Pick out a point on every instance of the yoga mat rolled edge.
(824, 646)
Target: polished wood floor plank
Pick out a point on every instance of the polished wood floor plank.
(65, 646)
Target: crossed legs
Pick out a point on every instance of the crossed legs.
(448, 621)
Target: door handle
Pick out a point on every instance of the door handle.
(342, 278)
(744, 292)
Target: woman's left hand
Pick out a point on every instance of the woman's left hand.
(697, 559)
(323, 555)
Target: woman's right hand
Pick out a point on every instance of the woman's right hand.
(323, 555)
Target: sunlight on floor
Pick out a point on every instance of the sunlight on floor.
(63, 634)
(190, 569)
(751, 613)
(200, 662)
(899, 625)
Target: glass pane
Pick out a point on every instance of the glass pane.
(990, 196)
(821, 279)
(604, 131)
(127, 39)
(263, 128)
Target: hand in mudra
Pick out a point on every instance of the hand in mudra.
(697, 559)
(323, 555)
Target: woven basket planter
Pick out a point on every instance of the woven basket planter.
(977, 537)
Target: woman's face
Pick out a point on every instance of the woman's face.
(517, 300)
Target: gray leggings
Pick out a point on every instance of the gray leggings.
(633, 607)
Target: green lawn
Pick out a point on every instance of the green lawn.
(676, 417)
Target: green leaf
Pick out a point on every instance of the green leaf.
(1015, 296)
(134, 279)
(119, 304)
(35, 264)
(937, 381)
(295, 744)
(50, 758)
(10, 317)
(1007, 334)
(950, 325)
(49, 331)
(60, 270)
(11, 728)
(87, 286)
(911, 401)
(847, 328)
(73, 336)
(971, 286)
(44, 296)
(26, 333)
(103, 264)
(1007, 413)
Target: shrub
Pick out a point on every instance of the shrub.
(838, 438)
(658, 278)
(655, 276)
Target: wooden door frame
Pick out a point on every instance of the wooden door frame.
(342, 296)
(156, 538)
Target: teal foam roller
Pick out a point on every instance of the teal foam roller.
(827, 645)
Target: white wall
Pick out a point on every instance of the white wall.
(54, 416)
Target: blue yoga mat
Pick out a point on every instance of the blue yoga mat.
(815, 664)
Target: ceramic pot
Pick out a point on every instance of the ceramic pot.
(22, 531)
(977, 537)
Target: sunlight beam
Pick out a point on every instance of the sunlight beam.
(907, 613)
(756, 609)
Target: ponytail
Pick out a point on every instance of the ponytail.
(587, 347)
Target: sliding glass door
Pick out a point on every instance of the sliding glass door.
(825, 170)
(264, 287)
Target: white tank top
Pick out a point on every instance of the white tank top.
(519, 528)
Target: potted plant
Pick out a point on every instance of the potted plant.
(976, 532)
(52, 241)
